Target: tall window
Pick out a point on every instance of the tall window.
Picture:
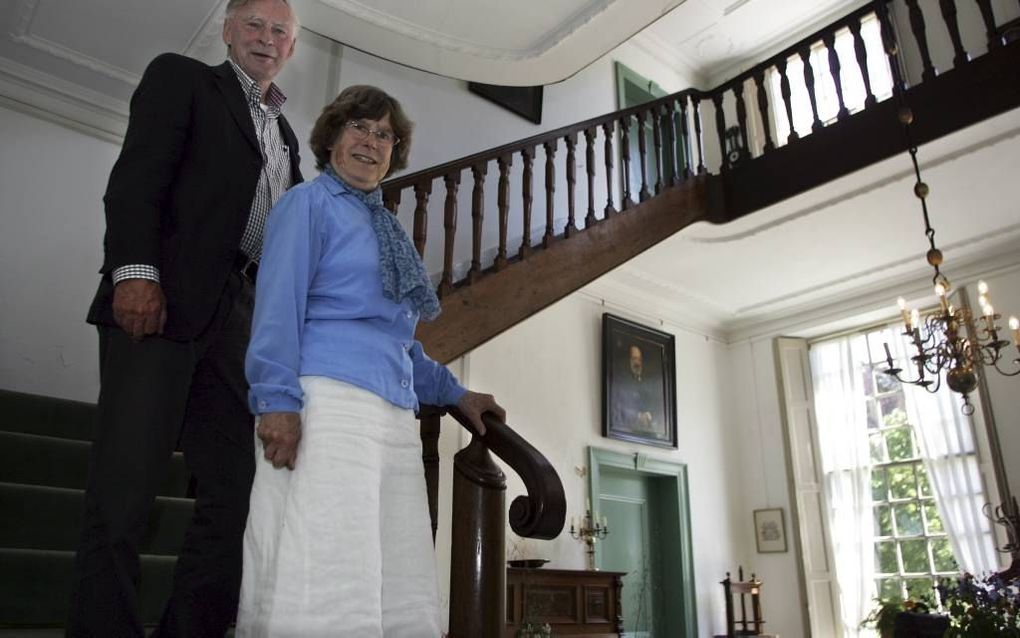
(900, 473)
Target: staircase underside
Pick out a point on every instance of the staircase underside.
(473, 314)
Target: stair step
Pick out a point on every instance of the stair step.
(47, 416)
(53, 462)
(35, 586)
(50, 518)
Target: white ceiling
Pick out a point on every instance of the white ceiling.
(860, 235)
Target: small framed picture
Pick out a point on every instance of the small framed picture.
(770, 530)
(638, 383)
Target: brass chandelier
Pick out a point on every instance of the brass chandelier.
(950, 340)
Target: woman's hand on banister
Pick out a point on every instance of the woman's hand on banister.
(474, 404)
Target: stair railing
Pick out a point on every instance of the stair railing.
(478, 535)
(671, 136)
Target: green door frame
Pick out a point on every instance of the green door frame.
(642, 464)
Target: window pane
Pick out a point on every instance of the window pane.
(923, 486)
(931, 513)
(885, 382)
(890, 588)
(885, 558)
(883, 521)
(908, 519)
(873, 420)
(893, 414)
(878, 484)
(918, 588)
(899, 443)
(901, 482)
(942, 555)
(867, 378)
(915, 556)
(877, 442)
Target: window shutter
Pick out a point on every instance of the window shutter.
(809, 515)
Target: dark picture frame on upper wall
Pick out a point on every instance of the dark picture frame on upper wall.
(525, 101)
(638, 383)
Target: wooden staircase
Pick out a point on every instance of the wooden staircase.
(606, 221)
(609, 220)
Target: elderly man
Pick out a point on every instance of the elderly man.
(206, 155)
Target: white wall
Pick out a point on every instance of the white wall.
(547, 372)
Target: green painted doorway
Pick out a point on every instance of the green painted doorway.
(645, 503)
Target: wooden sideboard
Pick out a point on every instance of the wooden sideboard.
(573, 602)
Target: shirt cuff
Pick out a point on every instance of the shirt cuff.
(135, 271)
(261, 402)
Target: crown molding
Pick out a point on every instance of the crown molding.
(39, 94)
(22, 35)
(805, 318)
(670, 56)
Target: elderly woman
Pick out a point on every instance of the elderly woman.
(338, 541)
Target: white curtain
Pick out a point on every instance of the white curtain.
(845, 458)
(946, 438)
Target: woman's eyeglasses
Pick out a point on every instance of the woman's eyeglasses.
(361, 132)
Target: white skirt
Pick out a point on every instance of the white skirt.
(342, 545)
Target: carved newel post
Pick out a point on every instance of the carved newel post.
(477, 565)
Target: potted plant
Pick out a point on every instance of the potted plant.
(891, 614)
(986, 607)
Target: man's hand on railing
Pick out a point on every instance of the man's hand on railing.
(474, 404)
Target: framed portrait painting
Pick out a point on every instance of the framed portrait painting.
(638, 383)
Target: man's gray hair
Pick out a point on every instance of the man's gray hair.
(233, 6)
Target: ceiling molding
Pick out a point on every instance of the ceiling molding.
(670, 56)
(209, 32)
(42, 95)
(799, 320)
(560, 51)
(22, 35)
(402, 27)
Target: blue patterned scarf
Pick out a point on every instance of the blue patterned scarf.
(403, 273)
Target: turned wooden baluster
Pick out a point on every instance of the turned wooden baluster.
(738, 91)
(643, 194)
(669, 144)
(607, 129)
(889, 43)
(528, 155)
(429, 418)
(720, 127)
(452, 181)
(626, 200)
(391, 200)
(948, 7)
(829, 40)
(784, 90)
(763, 109)
(685, 139)
(422, 190)
(918, 28)
(696, 106)
(478, 172)
(503, 203)
(571, 141)
(994, 39)
(861, 53)
(550, 191)
(809, 81)
(657, 143)
(589, 137)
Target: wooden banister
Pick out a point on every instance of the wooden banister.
(477, 565)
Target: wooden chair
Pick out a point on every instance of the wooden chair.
(743, 589)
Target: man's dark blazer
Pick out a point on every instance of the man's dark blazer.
(181, 191)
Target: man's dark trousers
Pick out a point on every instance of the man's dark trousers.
(192, 394)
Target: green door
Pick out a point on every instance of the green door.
(626, 502)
